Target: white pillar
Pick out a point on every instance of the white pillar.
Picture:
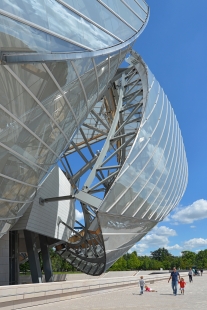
(4, 259)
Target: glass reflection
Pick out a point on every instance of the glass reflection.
(125, 13)
(103, 17)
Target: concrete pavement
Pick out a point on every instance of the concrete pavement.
(195, 298)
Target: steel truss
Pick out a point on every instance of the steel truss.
(115, 121)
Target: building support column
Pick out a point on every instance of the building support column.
(47, 266)
(34, 262)
(4, 259)
(13, 257)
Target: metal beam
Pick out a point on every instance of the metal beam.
(131, 106)
(134, 94)
(88, 199)
(121, 147)
(79, 152)
(127, 120)
(86, 142)
(47, 266)
(42, 201)
(84, 169)
(69, 227)
(13, 257)
(30, 240)
(109, 167)
(107, 142)
(122, 136)
(104, 133)
(107, 178)
(100, 119)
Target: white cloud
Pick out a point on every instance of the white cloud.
(157, 238)
(192, 226)
(195, 243)
(139, 248)
(175, 223)
(194, 212)
(164, 231)
(78, 215)
(167, 218)
(154, 240)
(150, 241)
(174, 247)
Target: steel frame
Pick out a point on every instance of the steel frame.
(117, 122)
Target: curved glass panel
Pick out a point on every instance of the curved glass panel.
(146, 163)
(16, 36)
(168, 154)
(136, 8)
(55, 17)
(166, 182)
(137, 155)
(124, 12)
(103, 17)
(143, 4)
(71, 25)
(32, 10)
(150, 175)
(151, 180)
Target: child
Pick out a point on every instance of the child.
(141, 283)
(182, 285)
(148, 289)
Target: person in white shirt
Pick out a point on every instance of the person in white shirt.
(190, 274)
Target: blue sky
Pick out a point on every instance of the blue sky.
(174, 46)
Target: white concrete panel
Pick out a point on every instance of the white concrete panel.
(44, 219)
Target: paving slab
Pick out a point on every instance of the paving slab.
(194, 298)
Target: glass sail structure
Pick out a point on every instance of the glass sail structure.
(57, 58)
(62, 89)
(144, 182)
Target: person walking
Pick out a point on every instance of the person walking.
(141, 284)
(201, 272)
(174, 276)
(190, 275)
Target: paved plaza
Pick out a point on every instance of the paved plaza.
(194, 298)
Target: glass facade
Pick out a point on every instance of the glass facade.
(151, 180)
(68, 26)
(43, 103)
(59, 59)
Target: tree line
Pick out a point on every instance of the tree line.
(161, 258)
(58, 264)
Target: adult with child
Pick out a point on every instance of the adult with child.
(175, 276)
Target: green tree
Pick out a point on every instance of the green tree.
(145, 262)
(161, 254)
(119, 265)
(201, 259)
(24, 267)
(133, 262)
(187, 259)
